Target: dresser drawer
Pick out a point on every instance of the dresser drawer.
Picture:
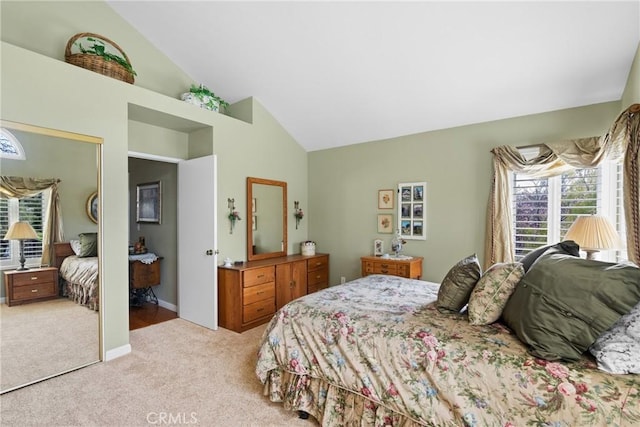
(34, 290)
(385, 268)
(403, 270)
(256, 293)
(318, 263)
(36, 277)
(258, 309)
(258, 276)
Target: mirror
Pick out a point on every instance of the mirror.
(44, 331)
(266, 218)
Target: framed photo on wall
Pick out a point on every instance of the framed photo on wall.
(385, 199)
(412, 210)
(149, 202)
(385, 223)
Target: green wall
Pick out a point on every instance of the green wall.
(455, 163)
(76, 100)
(74, 164)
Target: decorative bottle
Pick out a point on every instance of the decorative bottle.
(396, 243)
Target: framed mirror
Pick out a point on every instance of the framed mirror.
(48, 328)
(266, 218)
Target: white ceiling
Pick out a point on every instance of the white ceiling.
(340, 73)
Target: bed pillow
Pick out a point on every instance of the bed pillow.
(492, 291)
(88, 245)
(618, 350)
(75, 246)
(457, 285)
(568, 247)
(564, 303)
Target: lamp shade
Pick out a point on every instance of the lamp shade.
(20, 230)
(594, 233)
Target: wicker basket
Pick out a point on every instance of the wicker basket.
(97, 63)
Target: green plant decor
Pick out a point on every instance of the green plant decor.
(98, 48)
(202, 92)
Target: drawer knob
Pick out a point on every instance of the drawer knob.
(34, 277)
(260, 276)
(260, 309)
(34, 290)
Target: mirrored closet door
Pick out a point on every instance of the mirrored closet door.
(49, 199)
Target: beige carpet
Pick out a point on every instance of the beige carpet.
(176, 369)
(45, 338)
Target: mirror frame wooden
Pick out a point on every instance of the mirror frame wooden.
(56, 133)
(251, 256)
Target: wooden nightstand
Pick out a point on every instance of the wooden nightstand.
(35, 284)
(410, 268)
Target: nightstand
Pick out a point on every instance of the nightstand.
(35, 284)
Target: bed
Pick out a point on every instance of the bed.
(377, 351)
(79, 275)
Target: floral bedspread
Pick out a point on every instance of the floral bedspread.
(81, 280)
(376, 351)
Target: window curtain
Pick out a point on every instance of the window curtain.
(558, 157)
(18, 187)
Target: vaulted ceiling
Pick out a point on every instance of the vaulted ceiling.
(340, 73)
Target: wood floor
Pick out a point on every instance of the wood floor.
(149, 314)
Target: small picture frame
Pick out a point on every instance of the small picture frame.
(92, 207)
(385, 199)
(149, 202)
(385, 223)
(378, 247)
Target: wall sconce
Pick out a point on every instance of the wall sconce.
(298, 213)
(233, 214)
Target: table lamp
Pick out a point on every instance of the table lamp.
(594, 233)
(21, 231)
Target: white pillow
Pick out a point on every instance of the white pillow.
(75, 246)
(617, 350)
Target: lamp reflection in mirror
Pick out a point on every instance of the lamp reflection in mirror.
(594, 233)
(21, 231)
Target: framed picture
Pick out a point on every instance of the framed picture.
(92, 207)
(385, 199)
(149, 202)
(412, 212)
(385, 223)
(378, 247)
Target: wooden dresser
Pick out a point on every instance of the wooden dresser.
(410, 268)
(249, 294)
(35, 284)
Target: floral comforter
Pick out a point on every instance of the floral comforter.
(376, 351)
(81, 280)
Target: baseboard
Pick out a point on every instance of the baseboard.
(118, 352)
(167, 305)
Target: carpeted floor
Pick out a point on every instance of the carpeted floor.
(45, 338)
(177, 373)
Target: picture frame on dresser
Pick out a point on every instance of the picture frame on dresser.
(378, 247)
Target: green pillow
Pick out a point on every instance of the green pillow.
(88, 245)
(457, 285)
(564, 303)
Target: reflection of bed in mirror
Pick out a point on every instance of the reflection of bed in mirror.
(78, 275)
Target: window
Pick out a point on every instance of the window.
(545, 208)
(30, 209)
(10, 147)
